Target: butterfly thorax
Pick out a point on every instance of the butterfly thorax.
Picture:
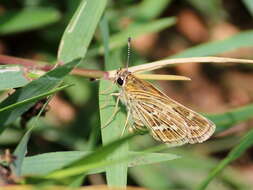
(131, 86)
(129, 83)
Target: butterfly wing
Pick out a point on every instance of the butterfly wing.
(168, 121)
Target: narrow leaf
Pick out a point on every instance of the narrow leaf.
(43, 164)
(91, 161)
(116, 175)
(80, 30)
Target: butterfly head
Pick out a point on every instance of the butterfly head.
(122, 74)
(121, 77)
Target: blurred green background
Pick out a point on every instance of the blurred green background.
(160, 29)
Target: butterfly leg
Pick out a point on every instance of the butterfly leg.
(125, 126)
(107, 98)
(106, 92)
(116, 109)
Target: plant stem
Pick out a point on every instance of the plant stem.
(44, 66)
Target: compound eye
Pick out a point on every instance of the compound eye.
(120, 81)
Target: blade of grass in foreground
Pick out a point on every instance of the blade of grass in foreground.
(93, 160)
(116, 174)
(235, 153)
(43, 164)
(80, 30)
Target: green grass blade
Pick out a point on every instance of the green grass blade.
(93, 160)
(235, 153)
(45, 163)
(230, 118)
(80, 30)
(37, 87)
(116, 175)
(27, 19)
(243, 39)
(33, 99)
(11, 77)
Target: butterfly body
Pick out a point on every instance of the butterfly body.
(167, 120)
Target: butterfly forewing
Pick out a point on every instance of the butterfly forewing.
(168, 121)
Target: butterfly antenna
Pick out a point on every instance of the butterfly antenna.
(128, 51)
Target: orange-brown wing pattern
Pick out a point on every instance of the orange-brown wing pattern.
(168, 121)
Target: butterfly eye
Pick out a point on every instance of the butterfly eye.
(120, 81)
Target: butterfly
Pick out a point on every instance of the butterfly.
(167, 120)
(149, 108)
